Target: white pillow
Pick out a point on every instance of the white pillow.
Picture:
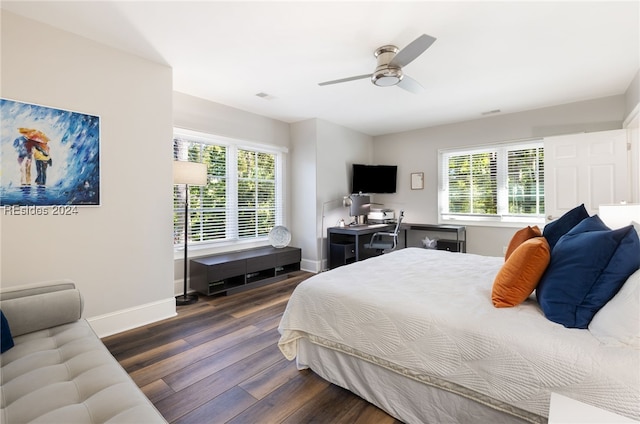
(618, 322)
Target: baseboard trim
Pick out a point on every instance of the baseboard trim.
(178, 288)
(127, 319)
(310, 266)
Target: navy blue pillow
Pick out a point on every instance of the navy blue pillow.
(6, 340)
(588, 266)
(561, 226)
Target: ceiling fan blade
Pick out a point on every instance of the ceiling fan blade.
(345, 79)
(412, 50)
(411, 85)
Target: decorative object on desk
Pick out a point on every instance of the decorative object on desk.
(417, 181)
(188, 173)
(279, 236)
(428, 243)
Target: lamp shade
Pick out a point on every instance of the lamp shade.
(619, 215)
(191, 173)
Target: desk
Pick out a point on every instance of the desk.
(457, 245)
(346, 244)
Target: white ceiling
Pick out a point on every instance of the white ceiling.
(511, 56)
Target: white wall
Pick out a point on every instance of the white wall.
(197, 114)
(417, 151)
(338, 148)
(632, 95)
(120, 253)
(304, 190)
(322, 154)
(632, 124)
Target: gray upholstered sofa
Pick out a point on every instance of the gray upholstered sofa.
(58, 370)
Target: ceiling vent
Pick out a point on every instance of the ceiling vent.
(265, 96)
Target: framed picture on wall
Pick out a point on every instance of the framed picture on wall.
(49, 156)
(417, 181)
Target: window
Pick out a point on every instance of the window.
(256, 193)
(242, 199)
(497, 183)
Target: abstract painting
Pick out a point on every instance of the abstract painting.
(48, 156)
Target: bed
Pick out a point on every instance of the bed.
(415, 333)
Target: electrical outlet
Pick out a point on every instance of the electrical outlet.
(504, 250)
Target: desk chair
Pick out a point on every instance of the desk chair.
(385, 241)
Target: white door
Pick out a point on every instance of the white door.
(590, 168)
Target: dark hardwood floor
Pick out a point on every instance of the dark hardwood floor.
(218, 362)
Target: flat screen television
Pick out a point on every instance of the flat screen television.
(374, 178)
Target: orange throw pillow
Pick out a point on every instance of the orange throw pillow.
(520, 237)
(520, 274)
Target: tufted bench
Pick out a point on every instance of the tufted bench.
(58, 370)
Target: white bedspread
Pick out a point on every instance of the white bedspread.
(428, 314)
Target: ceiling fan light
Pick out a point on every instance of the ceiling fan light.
(386, 77)
(384, 81)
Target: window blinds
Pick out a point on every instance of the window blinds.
(242, 199)
(525, 181)
(492, 182)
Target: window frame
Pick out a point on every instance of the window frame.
(502, 217)
(232, 146)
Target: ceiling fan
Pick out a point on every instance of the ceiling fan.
(390, 63)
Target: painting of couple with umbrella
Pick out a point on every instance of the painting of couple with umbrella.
(48, 156)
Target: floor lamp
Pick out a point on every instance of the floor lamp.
(188, 173)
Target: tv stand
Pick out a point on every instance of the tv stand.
(241, 270)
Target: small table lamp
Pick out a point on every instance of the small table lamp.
(619, 215)
(188, 173)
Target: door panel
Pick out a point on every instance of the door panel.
(567, 196)
(601, 184)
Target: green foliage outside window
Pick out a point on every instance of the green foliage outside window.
(505, 180)
(526, 181)
(256, 193)
(218, 211)
(472, 184)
